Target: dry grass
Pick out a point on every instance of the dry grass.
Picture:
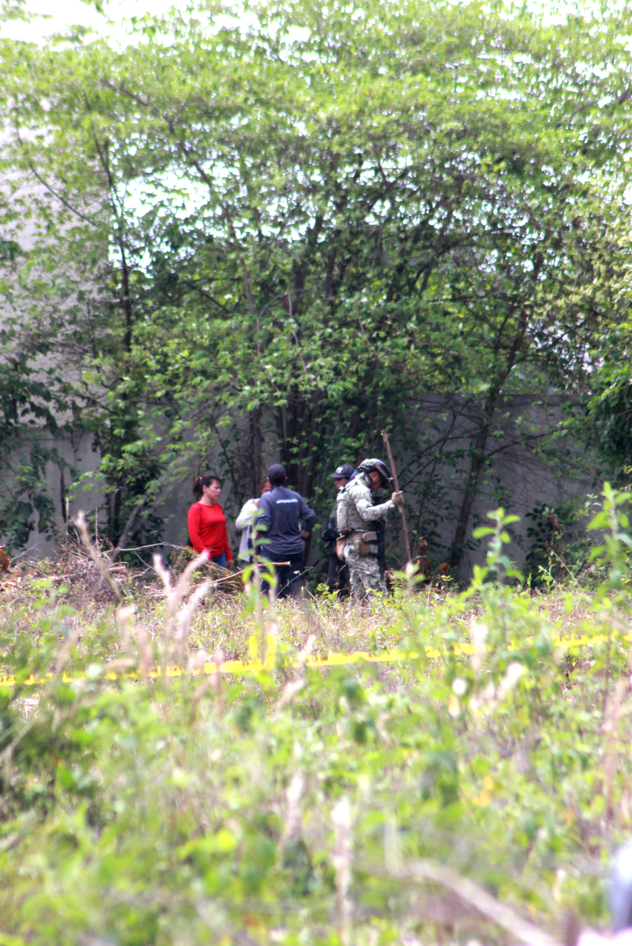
(505, 771)
(80, 582)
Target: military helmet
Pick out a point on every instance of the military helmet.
(367, 466)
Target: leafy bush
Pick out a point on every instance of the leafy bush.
(560, 547)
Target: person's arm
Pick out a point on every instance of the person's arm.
(264, 519)
(369, 512)
(308, 518)
(194, 520)
(247, 515)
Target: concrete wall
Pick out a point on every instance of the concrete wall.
(526, 468)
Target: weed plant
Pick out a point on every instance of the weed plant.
(474, 787)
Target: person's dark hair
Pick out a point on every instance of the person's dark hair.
(277, 475)
(205, 480)
(263, 481)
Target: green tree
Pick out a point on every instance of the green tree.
(315, 220)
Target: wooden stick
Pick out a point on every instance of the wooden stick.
(477, 897)
(390, 460)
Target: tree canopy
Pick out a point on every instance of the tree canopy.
(290, 226)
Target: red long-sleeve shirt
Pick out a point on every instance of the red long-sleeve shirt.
(207, 530)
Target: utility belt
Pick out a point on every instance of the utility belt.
(362, 542)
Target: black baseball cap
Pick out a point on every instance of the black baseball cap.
(345, 471)
(276, 470)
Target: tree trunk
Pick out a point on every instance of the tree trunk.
(255, 457)
(299, 437)
(113, 512)
(478, 452)
(476, 468)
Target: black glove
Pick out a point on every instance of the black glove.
(329, 535)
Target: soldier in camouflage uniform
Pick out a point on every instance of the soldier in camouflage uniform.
(361, 524)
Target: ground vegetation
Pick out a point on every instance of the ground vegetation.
(474, 786)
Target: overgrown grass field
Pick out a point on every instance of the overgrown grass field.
(473, 785)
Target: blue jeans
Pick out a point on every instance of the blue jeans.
(219, 560)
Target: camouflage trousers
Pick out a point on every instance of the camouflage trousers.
(364, 574)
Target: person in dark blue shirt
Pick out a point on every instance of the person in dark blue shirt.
(281, 512)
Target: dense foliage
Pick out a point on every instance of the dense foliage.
(297, 804)
(298, 226)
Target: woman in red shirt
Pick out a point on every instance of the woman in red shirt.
(207, 522)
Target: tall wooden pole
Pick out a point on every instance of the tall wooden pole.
(390, 460)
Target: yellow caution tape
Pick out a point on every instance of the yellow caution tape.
(231, 667)
(461, 648)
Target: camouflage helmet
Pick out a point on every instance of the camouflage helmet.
(367, 466)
